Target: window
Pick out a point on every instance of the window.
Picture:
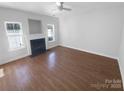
(51, 33)
(15, 35)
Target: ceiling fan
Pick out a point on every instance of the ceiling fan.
(60, 6)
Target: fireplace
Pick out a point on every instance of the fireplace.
(38, 46)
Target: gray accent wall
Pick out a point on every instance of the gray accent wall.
(35, 26)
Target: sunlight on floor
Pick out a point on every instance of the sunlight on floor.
(52, 58)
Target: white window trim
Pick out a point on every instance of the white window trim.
(53, 32)
(22, 47)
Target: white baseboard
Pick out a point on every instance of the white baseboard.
(19, 57)
(89, 51)
(122, 72)
(13, 59)
(52, 46)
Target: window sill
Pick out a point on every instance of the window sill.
(51, 41)
(16, 49)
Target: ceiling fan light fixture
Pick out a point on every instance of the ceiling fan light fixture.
(61, 8)
(58, 3)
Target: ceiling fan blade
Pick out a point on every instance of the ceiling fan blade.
(67, 9)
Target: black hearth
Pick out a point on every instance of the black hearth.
(38, 46)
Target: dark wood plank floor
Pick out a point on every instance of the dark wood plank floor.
(61, 69)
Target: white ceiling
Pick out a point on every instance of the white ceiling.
(49, 8)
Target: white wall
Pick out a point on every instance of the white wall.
(121, 57)
(97, 31)
(20, 16)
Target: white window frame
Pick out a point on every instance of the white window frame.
(53, 26)
(8, 34)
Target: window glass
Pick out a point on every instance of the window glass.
(14, 34)
(51, 33)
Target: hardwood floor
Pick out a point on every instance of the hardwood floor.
(62, 69)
